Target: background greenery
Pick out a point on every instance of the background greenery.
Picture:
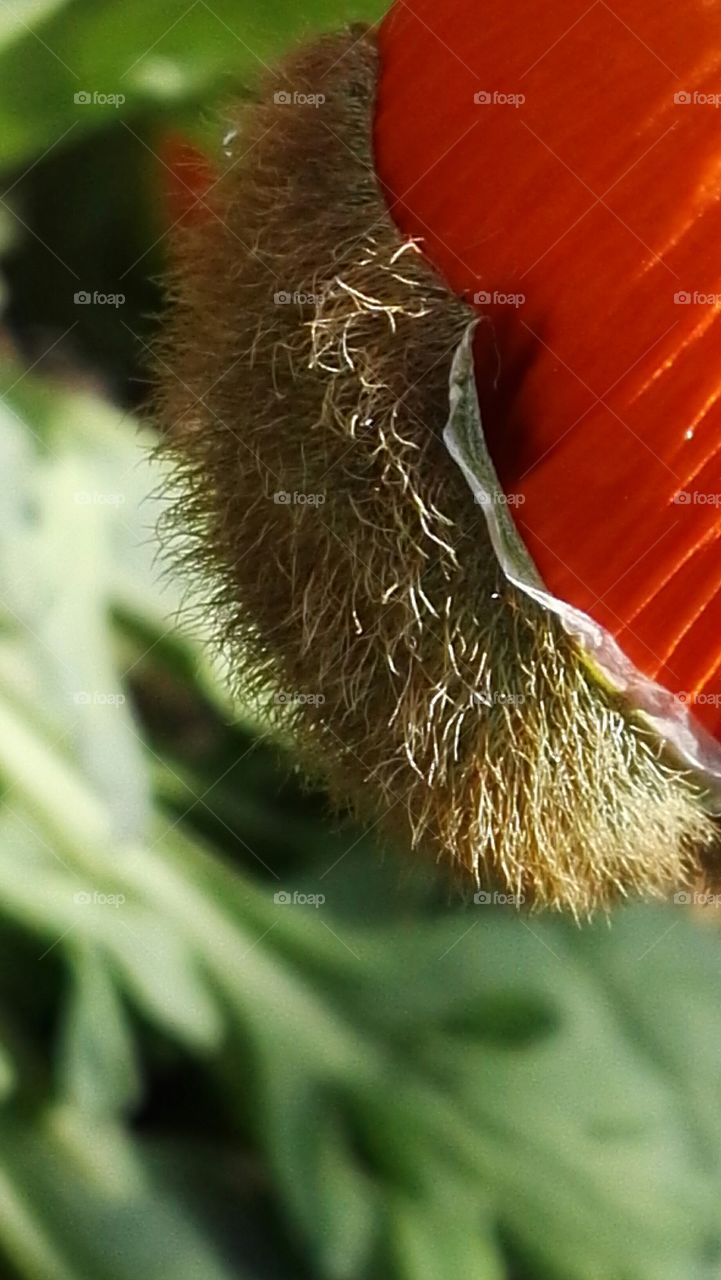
(196, 1080)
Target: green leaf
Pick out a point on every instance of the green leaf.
(163, 975)
(96, 1055)
(154, 55)
(23, 17)
(423, 1247)
(7, 1074)
(77, 1200)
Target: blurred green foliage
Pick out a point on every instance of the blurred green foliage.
(204, 1075)
(160, 56)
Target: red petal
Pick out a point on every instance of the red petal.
(187, 176)
(598, 198)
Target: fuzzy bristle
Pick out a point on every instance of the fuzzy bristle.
(435, 698)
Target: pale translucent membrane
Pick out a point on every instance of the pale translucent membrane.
(668, 716)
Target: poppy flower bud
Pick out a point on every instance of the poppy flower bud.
(432, 407)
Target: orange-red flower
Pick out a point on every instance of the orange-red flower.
(186, 176)
(562, 166)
